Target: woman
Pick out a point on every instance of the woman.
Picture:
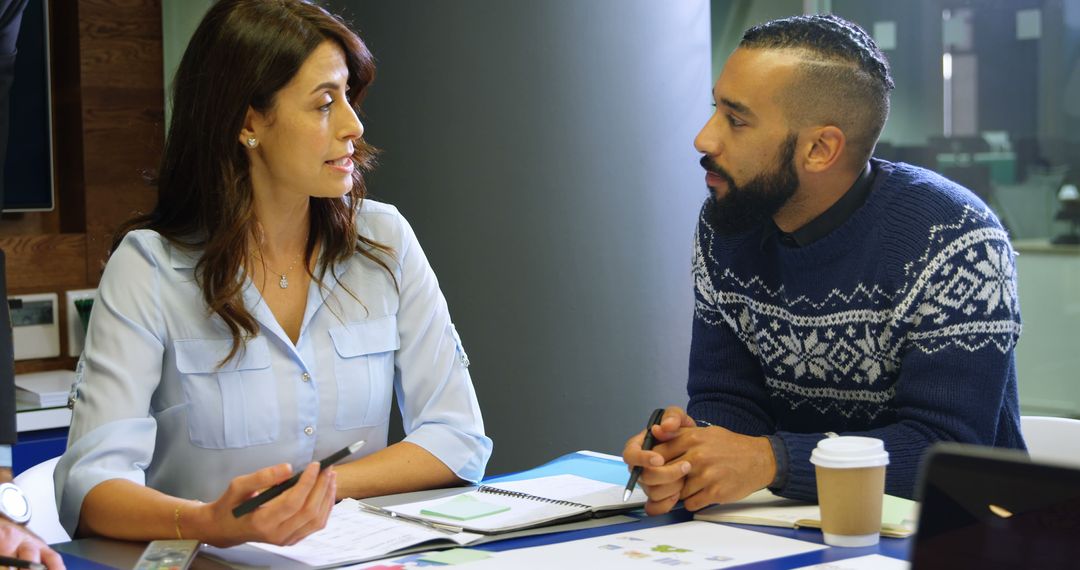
(264, 313)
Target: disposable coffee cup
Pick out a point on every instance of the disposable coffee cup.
(851, 485)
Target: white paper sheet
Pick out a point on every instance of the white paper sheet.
(352, 535)
(688, 545)
(871, 562)
(561, 487)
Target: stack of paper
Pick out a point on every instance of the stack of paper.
(352, 535)
(44, 389)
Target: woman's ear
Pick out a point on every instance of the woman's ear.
(827, 144)
(247, 136)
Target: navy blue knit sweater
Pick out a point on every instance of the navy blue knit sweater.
(899, 325)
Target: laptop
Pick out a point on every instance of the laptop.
(995, 508)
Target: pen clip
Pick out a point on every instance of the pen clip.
(445, 528)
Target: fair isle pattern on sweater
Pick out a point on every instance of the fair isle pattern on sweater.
(849, 342)
(899, 324)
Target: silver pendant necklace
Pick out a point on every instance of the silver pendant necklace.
(283, 280)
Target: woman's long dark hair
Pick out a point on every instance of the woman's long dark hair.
(241, 55)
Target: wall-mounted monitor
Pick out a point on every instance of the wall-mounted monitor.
(28, 163)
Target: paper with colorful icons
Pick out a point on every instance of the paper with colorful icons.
(690, 545)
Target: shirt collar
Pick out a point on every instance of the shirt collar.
(186, 258)
(829, 220)
(183, 258)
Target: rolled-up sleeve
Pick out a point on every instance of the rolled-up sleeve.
(112, 433)
(435, 391)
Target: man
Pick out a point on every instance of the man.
(835, 293)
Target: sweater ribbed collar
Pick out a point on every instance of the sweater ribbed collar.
(827, 221)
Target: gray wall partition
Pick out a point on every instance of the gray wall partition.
(543, 151)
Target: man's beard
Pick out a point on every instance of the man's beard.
(752, 204)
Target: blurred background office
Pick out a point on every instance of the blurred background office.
(543, 152)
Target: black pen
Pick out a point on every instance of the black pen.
(258, 500)
(654, 419)
(6, 562)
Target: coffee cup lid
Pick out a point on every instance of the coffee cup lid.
(849, 452)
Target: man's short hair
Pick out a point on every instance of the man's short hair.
(844, 79)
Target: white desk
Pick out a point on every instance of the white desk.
(33, 418)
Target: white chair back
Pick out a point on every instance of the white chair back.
(1052, 439)
(37, 483)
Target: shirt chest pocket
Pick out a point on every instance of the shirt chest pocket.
(364, 371)
(235, 405)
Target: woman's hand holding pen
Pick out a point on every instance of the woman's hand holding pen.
(285, 520)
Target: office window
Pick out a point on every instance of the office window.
(988, 94)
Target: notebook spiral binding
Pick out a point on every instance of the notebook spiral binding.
(520, 495)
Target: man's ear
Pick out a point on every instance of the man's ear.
(826, 144)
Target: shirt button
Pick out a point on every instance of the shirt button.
(309, 430)
(305, 377)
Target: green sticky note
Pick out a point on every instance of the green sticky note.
(463, 508)
(455, 556)
(897, 511)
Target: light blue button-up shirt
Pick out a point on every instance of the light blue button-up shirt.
(154, 407)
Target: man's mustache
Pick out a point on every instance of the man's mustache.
(710, 165)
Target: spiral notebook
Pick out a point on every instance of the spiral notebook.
(515, 505)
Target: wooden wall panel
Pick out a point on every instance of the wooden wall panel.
(46, 262)
(108, 115)
(123, 112)
(24, 223)
(67, 116)
(44, 364)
